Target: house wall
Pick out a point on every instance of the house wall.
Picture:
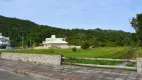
(58, 45)
(4, 40)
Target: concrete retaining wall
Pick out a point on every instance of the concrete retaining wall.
(37, 58)
(139, 65)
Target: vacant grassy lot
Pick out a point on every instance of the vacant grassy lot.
(102, 52)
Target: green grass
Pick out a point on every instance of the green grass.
(94, 62)
(102, 52)
(131, 64)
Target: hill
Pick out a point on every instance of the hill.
(18, 28)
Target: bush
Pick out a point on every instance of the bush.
(3, 47)
(130, 53)
(85, 45)
(74, 49)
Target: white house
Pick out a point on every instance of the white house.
(4, 41)
(54, 42)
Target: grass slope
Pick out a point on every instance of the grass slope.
(102, 52)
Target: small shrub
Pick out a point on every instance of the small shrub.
(85, 45)
(74, 49)
(2, 47)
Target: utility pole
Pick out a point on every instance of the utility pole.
(22, 42)
(30, 43)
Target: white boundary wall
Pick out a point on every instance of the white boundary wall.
(139, 65)
(37, 58)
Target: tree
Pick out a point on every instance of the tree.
(85, 45)
(136, 23)
(16, 28)
(82, 37)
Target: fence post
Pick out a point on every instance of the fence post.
(139, 65)
(62, 60)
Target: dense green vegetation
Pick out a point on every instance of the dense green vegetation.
(18, 28)
(136, 23)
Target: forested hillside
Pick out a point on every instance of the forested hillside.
(17, 28)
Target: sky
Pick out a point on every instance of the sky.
(68, 14)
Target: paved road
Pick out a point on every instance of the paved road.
(4, 75)
(65, 72)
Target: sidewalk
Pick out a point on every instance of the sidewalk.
(4, 75)
(67, 72)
